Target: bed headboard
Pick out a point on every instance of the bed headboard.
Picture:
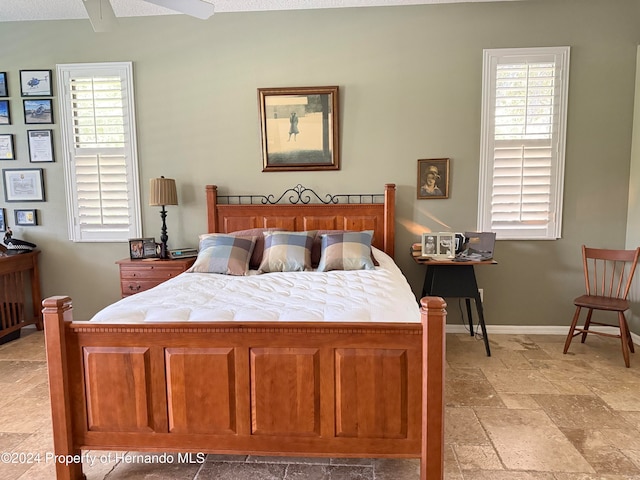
(229, 213)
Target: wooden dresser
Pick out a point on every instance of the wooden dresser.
(140, 275)
(19, 274)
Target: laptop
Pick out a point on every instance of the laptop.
(479, 246)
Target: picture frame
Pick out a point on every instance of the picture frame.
(26, 217)
(35, 83)
(439, 245)
(7, 150)
(433, 178)
(5, 113)
(38, 111)
(299, 128)
(40, 146)
(23, 184)
(4, 88)
(141, 248)
(3, 223)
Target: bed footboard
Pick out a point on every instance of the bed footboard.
(312, 389)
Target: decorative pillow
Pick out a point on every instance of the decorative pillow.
(346, 251)
(226, 254)
(316, 250)
(256, 256)
(286, 251)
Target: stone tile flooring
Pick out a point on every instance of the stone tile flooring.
(528, 412)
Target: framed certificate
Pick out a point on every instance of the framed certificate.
(6, 147)
(40, 145)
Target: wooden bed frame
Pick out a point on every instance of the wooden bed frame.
(264, 388)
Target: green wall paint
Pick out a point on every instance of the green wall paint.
(410, 86)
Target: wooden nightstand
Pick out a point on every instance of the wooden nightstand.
(140, 275)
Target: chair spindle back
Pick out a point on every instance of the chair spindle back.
(609, 273)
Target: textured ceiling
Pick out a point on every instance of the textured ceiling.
(17, 10)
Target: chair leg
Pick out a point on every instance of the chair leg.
(587, 323)
(624, 338)
(629, 339)
(572, 329)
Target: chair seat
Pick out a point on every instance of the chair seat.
(602, 303)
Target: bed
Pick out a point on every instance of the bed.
(282, 386)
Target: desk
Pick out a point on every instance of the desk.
(13, 272)
(446, 278)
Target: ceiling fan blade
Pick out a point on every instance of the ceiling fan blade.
(100, 14)
(195, 8)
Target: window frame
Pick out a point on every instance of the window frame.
(99, 233)
(552, 229)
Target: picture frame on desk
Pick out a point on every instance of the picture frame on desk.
(439, 245)
(3, 223)
(141, 248)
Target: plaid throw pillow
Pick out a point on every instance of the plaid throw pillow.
(226, 254)
(286, 251)
(346, 251)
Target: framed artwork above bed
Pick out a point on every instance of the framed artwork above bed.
(299, 128)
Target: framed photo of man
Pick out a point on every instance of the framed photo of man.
(433, 178)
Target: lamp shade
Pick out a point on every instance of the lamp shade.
(162, 191)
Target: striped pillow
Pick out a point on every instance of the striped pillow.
(226, 254)
(286, 252)
(346, 251)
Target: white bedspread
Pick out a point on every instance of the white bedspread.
(380, 295)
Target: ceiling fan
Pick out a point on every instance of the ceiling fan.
(103, 18)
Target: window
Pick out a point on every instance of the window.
(524, 111)
(99, 144)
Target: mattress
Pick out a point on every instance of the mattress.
(380, 295)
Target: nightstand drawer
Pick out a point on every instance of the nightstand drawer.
(137, 276)
(129, 287)
(160, 273)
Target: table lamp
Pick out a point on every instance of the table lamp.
(162, 191)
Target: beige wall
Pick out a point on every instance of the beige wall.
(410, 86)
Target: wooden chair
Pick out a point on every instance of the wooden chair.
(608, 275)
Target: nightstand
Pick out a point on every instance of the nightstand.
(140, 275)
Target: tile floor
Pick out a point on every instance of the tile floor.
(526, 413)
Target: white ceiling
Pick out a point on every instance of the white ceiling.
(18, 10)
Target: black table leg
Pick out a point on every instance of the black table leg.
(469, 316)
(483, 327)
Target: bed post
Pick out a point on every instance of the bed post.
(433, 316)
(57, 310)
(212, 210)
(389, 218)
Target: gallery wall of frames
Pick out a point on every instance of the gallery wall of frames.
(23, 179)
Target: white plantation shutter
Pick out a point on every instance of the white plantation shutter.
(522, 146)
(100, 151)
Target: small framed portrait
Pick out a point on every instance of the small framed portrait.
(4, 89)
(40, 145)
(433, 178)
(26, 217)
(23, 184)
(5, 113)
(441, 245)
(38, 111)
(35, 83)
(3, 223)
(7, 151)
(299, 127)
(140, 248)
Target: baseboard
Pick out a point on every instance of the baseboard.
(531, 330)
